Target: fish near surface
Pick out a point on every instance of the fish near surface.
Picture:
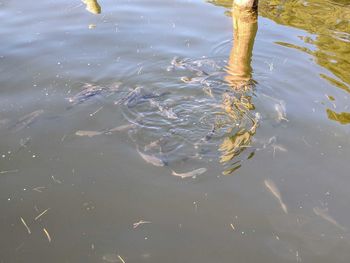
(26, 120)
(152, 159)
(193, 173)
(271, 186)
(88, 92)
(326, 216)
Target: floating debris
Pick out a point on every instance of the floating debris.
(3, 122)
(193, 173)
(152, 159)
(92, 26)
(56, 180)
(26, 226)
(232, 226)
(96, 111)
(141, 222)
(278, 147)
(9, 171)
(326, 216)
(271, 186)
(47, 235)
(121, 259)
(112, 258)
(41, 214)
(39, 188)
(26, 120)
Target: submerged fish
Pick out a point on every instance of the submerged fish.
(326, 216)
(122, 128)
(88, 133)
(137, 96)
(271, 186)
(131, 98)
(107, 131)
(190, 174)
(208, 91)
(207, 137)
(278, 147)
(3, 122)
(163, 109)
(194, 66)
(111, 258)
(154, 144)
(26, 120)
(281, 111)
(210, 133)
(193, 80)
(152, 159)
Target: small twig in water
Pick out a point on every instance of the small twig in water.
(92, 114)
(63, 138)
(26, 226)
(38, 189)
(56, 180)
(121, 259)
(47, 235)
(41, 214)
(9, 171)
(141, 222)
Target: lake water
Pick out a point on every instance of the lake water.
(100, 112)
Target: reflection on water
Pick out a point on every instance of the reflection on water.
(92, 6)
(170, 127)
(328, 22)
(342, 118)
(238, 102)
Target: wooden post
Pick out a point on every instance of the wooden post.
(245, 25)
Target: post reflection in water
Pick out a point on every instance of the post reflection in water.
(92, 6)
(237, 102)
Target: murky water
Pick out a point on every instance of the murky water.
(174, 131)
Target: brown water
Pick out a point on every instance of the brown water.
(275, 183)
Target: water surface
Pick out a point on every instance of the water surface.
(162, 68)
